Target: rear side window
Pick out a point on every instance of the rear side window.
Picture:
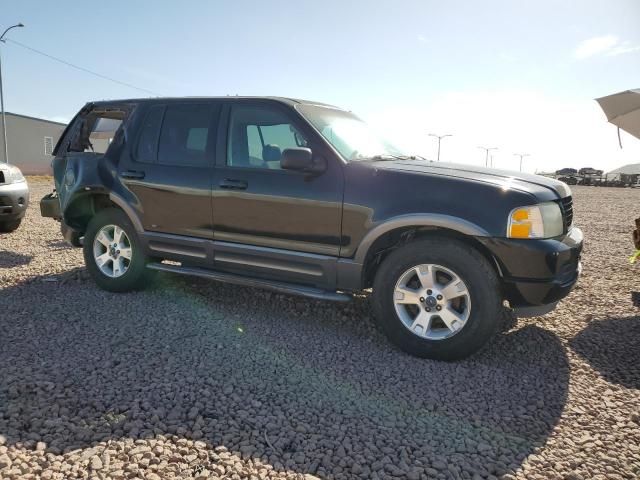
(149, 133)
(184, 135)
(95, 130)
(102, 134)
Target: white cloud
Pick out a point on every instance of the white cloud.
(624, 47)
(422, 38)
(609, 45)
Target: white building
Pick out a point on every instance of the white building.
(30, 142)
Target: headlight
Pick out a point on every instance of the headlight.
(535, 221)
(13, 175)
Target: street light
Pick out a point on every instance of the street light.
(4, 122)
(486, 157)
(439, 137)
(521, 155)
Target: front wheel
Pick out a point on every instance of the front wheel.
(113, 254)
(437, 298)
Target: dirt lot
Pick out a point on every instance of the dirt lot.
(191, 379)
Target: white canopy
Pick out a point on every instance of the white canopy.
(623, 110)
(631, 169)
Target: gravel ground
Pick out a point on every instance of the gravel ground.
(195, 379)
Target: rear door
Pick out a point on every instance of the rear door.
(170, 168)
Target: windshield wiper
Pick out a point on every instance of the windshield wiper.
(389, 156)
(386, 157)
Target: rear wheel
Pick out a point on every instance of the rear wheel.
(9, 226)
(112, 252)
(437, 298)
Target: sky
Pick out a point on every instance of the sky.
(520, 76)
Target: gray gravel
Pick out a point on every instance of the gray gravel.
(193, 379)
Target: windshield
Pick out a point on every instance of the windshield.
(354, 139)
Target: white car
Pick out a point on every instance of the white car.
(14, 197)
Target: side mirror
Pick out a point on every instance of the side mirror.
(302, 160)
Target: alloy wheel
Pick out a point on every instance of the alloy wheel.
(112, 251)
(432, 301)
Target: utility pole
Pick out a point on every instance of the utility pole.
(439, 137)
(4, 121)
(521, 155)
(486, 154)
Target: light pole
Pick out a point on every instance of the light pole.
(4, 121)
(486, 156)
(439, 137)
(521, 155)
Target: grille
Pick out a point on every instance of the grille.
(567, 211)
(1, 176)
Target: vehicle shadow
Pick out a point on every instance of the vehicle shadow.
(303, 386)
(612, 347)
(10, 259)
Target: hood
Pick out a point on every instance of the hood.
(525, 182)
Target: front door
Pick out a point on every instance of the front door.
(268, 220)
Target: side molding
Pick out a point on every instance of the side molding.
(420, 220)
(118, 200)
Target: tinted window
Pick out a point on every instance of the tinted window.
(258, 135)
(148, 141)
(184, 136)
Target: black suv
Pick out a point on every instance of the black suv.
(303, 198)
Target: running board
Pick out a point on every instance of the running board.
(279, 287)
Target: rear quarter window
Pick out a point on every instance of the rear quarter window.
(102, 134)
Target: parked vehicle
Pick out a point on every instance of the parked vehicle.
(567, 171)
(569, 180)
(590, 171)
(303, 198)
(14, 197)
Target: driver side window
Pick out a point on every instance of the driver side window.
(258, 136)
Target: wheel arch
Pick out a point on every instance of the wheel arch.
(83, 207)
(392, 235)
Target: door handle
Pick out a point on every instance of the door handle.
(231, 184)
(133, 174)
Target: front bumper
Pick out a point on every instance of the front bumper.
(536, 274)
(14, 200)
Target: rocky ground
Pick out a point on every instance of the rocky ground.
(193, 379)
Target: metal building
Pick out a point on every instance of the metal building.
(30, 142)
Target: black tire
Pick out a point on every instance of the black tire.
(9, 226)
(72, 237)
(485, 314)
(137, 275)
